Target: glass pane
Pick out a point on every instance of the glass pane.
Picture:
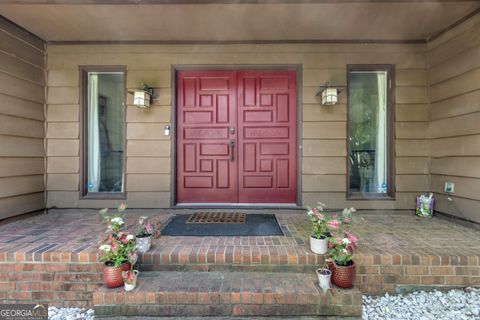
(368, 132)
(105, 146)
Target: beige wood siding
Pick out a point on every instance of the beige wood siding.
(454, 120)
(22, 133)
(149, 160)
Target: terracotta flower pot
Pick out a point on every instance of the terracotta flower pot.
(112, 276)
(343, 276)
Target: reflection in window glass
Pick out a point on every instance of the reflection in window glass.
(367, 113)
(105, 141)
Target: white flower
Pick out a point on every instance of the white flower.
(321, 206)
(346, 241)
(130, 237)
(117, 220)
(344, 251)
(105, 248)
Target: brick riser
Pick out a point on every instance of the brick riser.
(226, 294)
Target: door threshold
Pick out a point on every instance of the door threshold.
(238, 205)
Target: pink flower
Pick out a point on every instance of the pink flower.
(149, 228)
(353, 239)
(334, 224)
(347, 220)
(319, 216)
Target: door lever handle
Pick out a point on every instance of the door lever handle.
(232, 150)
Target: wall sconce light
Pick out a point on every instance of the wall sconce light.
(142, 98)
(329, 94)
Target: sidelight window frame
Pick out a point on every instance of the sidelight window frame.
(83, 97)
(390, 122)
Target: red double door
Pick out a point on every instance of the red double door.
(236, 137)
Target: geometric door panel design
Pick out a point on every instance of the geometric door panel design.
(236, 137)
(267, 145)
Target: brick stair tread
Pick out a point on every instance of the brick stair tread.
(227, 293)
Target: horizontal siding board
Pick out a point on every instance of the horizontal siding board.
(338, 200)
(456, 106)
(63, 165)
(13, 206)
(457, 126)
(63, 130)
(62, 182)
(456, 65)
(21, 127)
(148, 165)
(149, 148)
(63, 113)
(146, 131)
(410, 183)
(412, 148)
(464, 187)
(318, 148)
(457, 146)
(62, 147)
(10, 167)
(152, 114)
(411, 112)
(412, 165)
(63, 95)
(459, 207)
(18, 107)
(464, 83)
(20, 88)
(21, 147)
(148, 182)
(21, 34)
(411, 130)
(324, 165)
(12, 45)
(18, 68)
(457, 166)
(324, 130)
(326, 183)
(411, 94)
(317, 112)
(63, 77)
(14, 186)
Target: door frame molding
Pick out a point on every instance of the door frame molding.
(298, 68)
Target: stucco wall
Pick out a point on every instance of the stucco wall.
(22, 81)
(454, 73)
(323, 168)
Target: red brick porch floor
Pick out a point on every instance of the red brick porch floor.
(52, 258)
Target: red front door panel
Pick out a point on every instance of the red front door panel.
(236, 137)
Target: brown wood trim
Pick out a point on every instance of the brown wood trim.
(174, 2)
(453, 25)
(22, 33)
(83, 71)
(390, 68)
(225, 42)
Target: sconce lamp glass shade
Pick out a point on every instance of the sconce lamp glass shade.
(141, 98)
(329, 96)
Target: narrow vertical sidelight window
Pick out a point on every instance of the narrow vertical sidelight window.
(370, 131)
(103, 132)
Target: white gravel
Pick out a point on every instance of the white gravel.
(70, 314)
(434, 305)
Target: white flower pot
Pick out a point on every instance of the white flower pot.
(324, 278)
(319, 246)
(144, 244)
(130, 287)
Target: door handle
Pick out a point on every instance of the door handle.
(232, 150)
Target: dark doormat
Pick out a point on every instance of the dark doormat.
(255, 225)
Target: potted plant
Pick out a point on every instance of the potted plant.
(117, 249)
(324, 278)
(130, 279)
(340, 253)
(320, 232)
(147, 229)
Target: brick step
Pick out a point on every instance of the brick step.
(172, 293)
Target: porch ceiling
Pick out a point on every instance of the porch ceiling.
(241, 21)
